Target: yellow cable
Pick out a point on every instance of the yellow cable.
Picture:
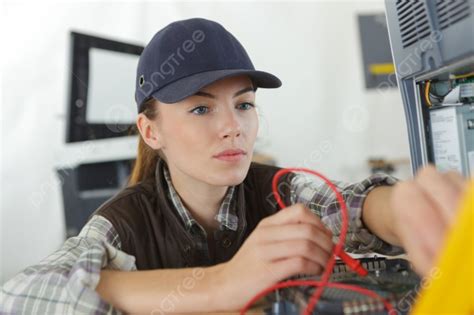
(427, 93)
(462, 76)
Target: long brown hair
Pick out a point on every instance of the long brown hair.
(145, 164)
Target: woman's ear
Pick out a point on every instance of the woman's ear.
(149, 132)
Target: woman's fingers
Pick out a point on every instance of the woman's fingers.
(296, 213)
(295, 265)
(297, 231)
(293, 241)
(293, 248)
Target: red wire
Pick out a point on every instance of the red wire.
(337, 251)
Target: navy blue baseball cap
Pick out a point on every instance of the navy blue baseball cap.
(187, 55)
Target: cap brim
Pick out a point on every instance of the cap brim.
(178, 90)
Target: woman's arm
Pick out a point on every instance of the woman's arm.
(161, 291)
(321, 200)
(65, 281)
(377, 214)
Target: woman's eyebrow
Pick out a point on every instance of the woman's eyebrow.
(244, 90)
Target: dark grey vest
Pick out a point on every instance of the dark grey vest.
(151, 230)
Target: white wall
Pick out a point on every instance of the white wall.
(312, 46)
(34, 72)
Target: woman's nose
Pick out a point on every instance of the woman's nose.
(231, 125)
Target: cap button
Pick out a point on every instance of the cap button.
(226, 242)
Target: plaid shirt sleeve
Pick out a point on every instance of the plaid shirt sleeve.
(320, 199)
(65, 281)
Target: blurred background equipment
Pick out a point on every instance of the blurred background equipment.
(101, 88)
(387, 166)
(433, 48)
(376, 54)
(99, 147)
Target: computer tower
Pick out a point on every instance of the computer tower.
(432, 43)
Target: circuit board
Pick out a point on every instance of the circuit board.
(392, 279)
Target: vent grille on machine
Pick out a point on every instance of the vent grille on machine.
(413, 21)
(452, 11)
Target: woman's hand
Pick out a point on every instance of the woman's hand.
(423, 210)
(290, 242)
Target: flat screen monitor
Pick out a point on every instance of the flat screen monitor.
(102, 85)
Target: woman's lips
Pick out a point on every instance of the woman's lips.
(233, 154)
(230, 157)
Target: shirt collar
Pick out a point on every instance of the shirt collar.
(226, 215)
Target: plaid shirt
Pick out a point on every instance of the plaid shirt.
(65, 281)
(226, 216)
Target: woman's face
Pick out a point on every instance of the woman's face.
(219, 117)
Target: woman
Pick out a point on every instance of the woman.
(198, 224)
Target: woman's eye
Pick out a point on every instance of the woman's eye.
(248, 105)
(200, 110)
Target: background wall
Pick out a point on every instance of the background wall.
(322, 117)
